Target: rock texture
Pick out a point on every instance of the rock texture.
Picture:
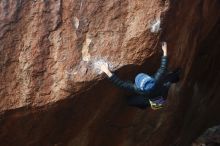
(49, 47)
(51, 92)
(211, 137)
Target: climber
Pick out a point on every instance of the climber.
(150, 90)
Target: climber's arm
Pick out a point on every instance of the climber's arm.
(117, 81)
(164, 62)
(128, 85)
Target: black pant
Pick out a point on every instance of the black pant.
(138, 101)
(142, 102)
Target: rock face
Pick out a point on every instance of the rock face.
(211, 137)
(49, 47)
(51, 92)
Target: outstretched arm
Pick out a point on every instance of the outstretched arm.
(128, 85)
(164, 48)
(104, 68)
(163, 66)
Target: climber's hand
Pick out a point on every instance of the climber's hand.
(104, 68)
(164, 48)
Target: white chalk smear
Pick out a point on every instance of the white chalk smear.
(98, 63)
(155, 26)
(76, 22)
(85, 50)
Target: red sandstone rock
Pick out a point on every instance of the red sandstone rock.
(51, 94)
(211, 137)
(50, 46)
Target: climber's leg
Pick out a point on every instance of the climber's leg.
(165, 89)
(138, 101)
(173, 76)
(170, 78)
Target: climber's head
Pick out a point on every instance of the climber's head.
(144, 82)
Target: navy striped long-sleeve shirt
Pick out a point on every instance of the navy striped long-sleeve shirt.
(128, 85)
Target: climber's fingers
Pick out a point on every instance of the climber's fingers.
(164, 48)
(164, 45)
(104, 67)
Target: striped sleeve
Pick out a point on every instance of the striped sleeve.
(128, 85)
(162, 70)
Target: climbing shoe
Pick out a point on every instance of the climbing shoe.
(157, 103)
